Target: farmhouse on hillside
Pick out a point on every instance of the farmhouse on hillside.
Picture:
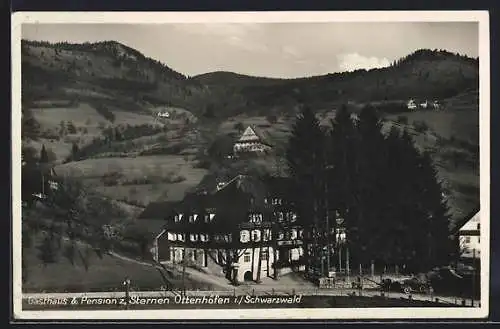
(411, 105)
(247, 230)
(252, 141)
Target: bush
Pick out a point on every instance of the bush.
(420, 126)
(402, 119)
(272, 119)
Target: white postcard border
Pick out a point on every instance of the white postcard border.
(482, 17)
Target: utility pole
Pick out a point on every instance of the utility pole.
(184, 272)
(328, 244)
(126, 283)
(473, 277)
(347, 265)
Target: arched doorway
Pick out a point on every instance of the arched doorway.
(248, 276)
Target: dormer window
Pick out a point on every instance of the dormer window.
(177, 219)
(280, 216)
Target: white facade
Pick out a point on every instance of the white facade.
(250, 142)
(248, 263)
(470, 238)
(411, 105)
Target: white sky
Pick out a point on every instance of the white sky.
(284, 50)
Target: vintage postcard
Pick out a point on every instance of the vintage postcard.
(250, 165)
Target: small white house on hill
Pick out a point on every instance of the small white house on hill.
(253, 141)
(411, 105)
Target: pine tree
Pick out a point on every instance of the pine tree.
(44, 157)
(403, 215)
(342, 164)
(74, 151)
(371, 173)
(438, 247)
(31, 174)
(306, 161)
(30, 128)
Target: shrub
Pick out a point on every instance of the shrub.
(272, 119)
(420, 126)
(402, 119)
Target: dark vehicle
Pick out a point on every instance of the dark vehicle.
(407, 286)
(464, 282)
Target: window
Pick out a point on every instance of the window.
(246, 257)
(204, 237)
(177, 218)
(264, 255)
(193, 237)
(294, 234)
(267, 235)
(256, 235)
(280, 216)
(244, 236)
(287, 235)
(467, 239)
(478, 227)
(281, 235)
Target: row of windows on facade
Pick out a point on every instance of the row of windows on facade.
(247, 257)
(295, 254)
(250, 236)
(253, 218)
(468, 239)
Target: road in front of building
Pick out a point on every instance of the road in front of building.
(287, 285)
(254, 291)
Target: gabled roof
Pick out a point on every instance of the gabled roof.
(159, 210)
(462, 221)
(252, 134)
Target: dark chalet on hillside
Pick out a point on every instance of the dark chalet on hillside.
(246, 227)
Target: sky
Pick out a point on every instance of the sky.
(283, 50)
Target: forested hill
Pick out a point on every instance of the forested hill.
(425, 73)
(104, 70)
(113, 70)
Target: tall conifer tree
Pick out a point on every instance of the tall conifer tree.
(371, 164)
(306, 160)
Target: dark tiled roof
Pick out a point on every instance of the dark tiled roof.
(263, 136)
(462, 221)
(159, 210)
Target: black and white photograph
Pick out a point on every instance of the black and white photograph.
(239, 165)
